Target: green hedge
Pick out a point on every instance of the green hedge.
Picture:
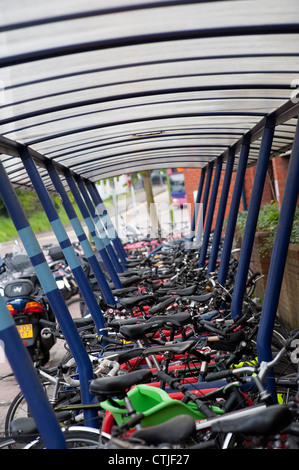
(38, 221)
(268, 221)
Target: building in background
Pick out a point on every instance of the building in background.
(273, 189)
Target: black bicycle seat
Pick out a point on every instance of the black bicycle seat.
(174, 431)
(108, 387)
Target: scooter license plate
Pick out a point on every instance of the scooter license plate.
(25, 331)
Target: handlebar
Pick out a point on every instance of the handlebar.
(261, 371)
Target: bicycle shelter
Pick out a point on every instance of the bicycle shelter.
(101, 89)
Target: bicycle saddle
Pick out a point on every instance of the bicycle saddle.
(176, 319)
(81, 322)
(108, 387)
(177, 348)
(201, 297)
(123, 356)
(269, 421)
(174, 431)
(126, 281)
(132, 332)
(134, 300)
(124, 290)
(161, 305)
(184, 291)
(116, 324)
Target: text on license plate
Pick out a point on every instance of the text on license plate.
(25, 331)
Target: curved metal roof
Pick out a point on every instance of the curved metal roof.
(106, 88)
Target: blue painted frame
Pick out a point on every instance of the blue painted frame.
(55, 298)
(63, 239)
(221, 211)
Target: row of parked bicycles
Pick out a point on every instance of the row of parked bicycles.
(172, 368)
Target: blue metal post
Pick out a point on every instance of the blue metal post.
(29, 381)
(221, 211)
(253, 212)
(244, 199)
(82, 238)
(103, 213)
(278, 260)
(100, 228)
(233, 212)
(63, 239)
(207, 190)
(197, 204)
(50, 288)
(98, 242)
(207, 230)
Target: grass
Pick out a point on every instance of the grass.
(39, 223)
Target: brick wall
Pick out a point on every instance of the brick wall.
(192, 177)
(268, 192)
(280, 169)
(260, 262)
(288, 308)
(273, 188)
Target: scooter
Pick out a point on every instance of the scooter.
(62, 274)
(28, 305)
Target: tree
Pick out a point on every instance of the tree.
(150, 202)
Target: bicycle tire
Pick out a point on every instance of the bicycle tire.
(75, 439)
(19, 408)
(78, 307)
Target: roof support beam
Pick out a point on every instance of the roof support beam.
(56, 301)
(253, 212)
(63, 240)
(97, 240)
(82, 238)
(278, 260)
(107, 222)
(212, 202)
(221, 211)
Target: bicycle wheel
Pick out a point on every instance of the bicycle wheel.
(19, 407)
(77, 307)
(76, 438)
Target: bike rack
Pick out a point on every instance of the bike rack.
(18, 357)
(97, 218)
(92, 229)
(63, 240)
(253, 212)
(197, 205)
(82, 238)
(210, 212)
(100, 227)
(278, 259)
(107, 223)
(233, 213)
(221, 211)
(29, 381)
